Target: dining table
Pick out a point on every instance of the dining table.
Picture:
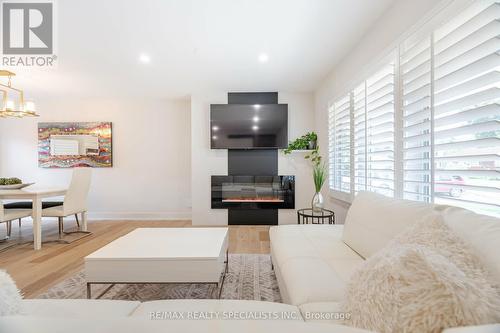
(36, 195)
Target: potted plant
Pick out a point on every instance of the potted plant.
(319, 176)
(309, 141)
(312, 138)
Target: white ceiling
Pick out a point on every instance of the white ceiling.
(196, 45)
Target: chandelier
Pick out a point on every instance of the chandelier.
(9, 108)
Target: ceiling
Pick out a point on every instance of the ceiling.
(197, 45)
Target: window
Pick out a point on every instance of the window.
(447, 137)
(467, 109)
(340, 143)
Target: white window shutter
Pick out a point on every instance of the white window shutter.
(360, 139)
(380, 131)
(415, 62)
(340, 145)
(467, 110)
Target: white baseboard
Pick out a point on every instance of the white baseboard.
(182, 216)
(129, 216)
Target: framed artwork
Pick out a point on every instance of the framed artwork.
(69, 145)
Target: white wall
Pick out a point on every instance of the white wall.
(373, 47)
(207, 162)
(150, 177)
(300, 121)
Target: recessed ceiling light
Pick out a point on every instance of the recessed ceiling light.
(263, 57)
(256, 119)
(215, 128)
(256, 106)
(255, 128)
(214, 137)
(144, 58)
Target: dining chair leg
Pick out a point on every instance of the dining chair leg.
(5, 242)
(64, 233)
(9, 228)
(61, 227)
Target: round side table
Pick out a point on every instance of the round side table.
(307, 215)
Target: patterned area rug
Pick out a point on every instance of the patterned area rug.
(250, 277)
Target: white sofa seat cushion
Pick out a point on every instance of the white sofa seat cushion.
(311, 280)
(311, 262)
(373, 220)
(481, 233)
(81, 308)
(309, 240)
(215, 309)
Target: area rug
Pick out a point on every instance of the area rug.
(250, 277)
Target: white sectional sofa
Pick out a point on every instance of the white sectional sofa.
(313, 264)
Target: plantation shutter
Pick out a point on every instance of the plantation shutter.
(340, 142)
(359, 109)
(467, 109)
(380, 131)
(415, 71)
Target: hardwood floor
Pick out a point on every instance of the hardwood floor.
(36, 271)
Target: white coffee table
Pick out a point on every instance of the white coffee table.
(161, 255)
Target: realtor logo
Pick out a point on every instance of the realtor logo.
(27, 29)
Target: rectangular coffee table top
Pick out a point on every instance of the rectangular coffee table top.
(165, 244)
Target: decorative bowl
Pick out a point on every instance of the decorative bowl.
(15, 186)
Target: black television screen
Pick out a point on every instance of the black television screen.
(239, 126)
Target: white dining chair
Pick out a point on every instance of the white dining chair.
(7, 216)
(75, 201)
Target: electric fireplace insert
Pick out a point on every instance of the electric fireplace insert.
(253, 192)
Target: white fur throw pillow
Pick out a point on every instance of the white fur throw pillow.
(425, 280)
(10, 297)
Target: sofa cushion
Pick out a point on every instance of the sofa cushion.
(10, 297)
(82, 308)
(373, 220)
(425, 280)
(311, 280)
(480, 232)
(311, 262)
(215, 309)
(309, 240)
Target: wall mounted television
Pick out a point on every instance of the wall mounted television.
(247, 126)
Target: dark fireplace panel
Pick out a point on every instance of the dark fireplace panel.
(253, 192)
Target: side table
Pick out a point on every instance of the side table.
(307, 215)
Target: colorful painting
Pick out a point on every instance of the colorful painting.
(70, 145)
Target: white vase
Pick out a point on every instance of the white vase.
(317, 202)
